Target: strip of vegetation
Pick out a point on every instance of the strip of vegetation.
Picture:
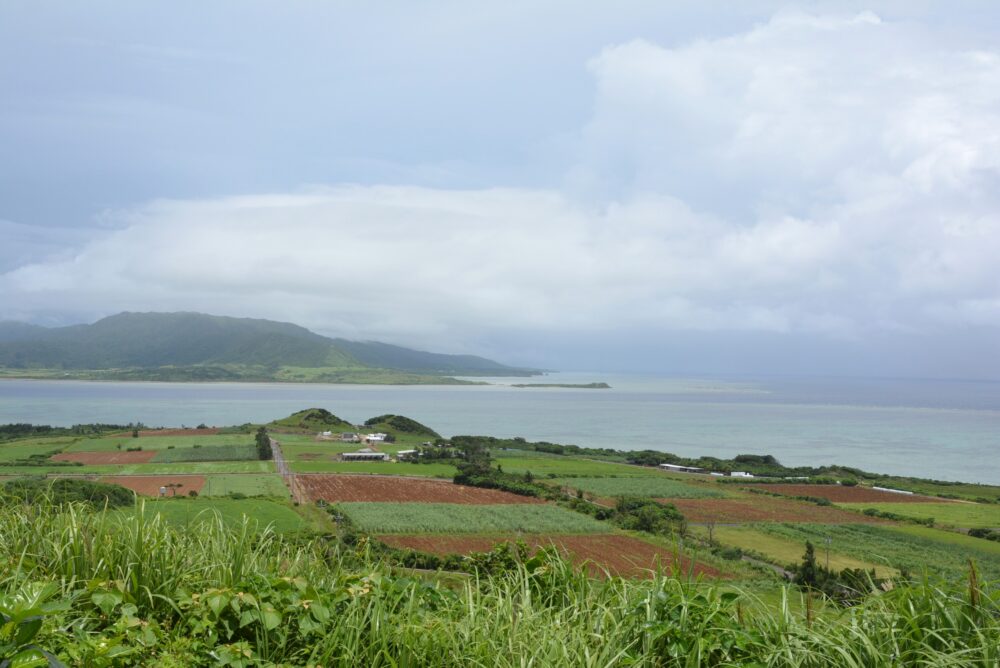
(416, 518)
(207, 453)
(138, 591)
(573, 386)
(39, 491)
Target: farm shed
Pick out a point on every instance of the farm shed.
(681, 469)
(407, 454)
(364, 456)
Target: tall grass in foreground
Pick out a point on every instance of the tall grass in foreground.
(140, 593)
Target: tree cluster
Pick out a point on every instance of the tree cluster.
(264, 450)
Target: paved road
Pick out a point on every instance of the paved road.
(282, 467)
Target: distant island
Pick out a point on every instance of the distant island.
(195, 347)
(577, 386)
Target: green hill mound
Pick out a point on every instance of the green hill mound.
(399, 424)
(313, 419)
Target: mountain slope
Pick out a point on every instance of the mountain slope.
(219, 347)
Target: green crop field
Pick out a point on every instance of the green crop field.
(207, 453)
(960, 514)
(196, 468)
(262, 513)
(568, 467)
(959, 540)
(248, 484)
(13, 451)
(413, 518)
(933, 551)
(108, 444)
(651, 486)
(378, 468)
(784, 551)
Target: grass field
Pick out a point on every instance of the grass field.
(378, 468)
(249, 484)
(933, 551)
(13, 451)
(653, 486)
(784, 551)
(156, 442)
(966, 515)
(567, 467)
(208, 453)
(184, 512)
(416, 518)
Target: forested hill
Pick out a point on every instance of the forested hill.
(224, 345)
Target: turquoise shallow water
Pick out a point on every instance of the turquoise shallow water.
(948, 430)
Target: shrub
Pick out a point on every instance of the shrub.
(65, 490)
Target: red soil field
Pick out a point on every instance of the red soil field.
(122, 457)
(149, 485)
(347, 488)
(841, 494)
(619, 555)
(208, 431)
(763, 508)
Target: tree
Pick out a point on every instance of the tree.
(808, 575)
(264, 450)
(476, 459)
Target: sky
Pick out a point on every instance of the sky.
(663, 187)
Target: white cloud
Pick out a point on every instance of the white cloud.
(815, 174)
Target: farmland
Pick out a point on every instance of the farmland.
(959, 514)
(761, 508)
(615, 553)
(103, 458)
(381, 518)
(178, 551)
(149, 485)
(571, 467)
(651, 486)
(845, 494)
(207, 453)
(360, 488)
(935, 552)
(231, 512)
(782, 550)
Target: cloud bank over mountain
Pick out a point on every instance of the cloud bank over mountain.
(833, 179)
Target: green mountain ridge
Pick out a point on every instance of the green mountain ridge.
(172, 346)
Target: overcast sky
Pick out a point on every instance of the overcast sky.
(752, 187)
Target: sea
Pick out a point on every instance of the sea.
(940, 429)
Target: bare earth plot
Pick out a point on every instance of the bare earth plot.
(113, 457)
(842, 494)
(617, 554)
(149, 485)
(368, 488)
(763, 508)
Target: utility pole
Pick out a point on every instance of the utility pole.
(828, 539)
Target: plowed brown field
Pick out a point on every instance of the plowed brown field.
(149, 485)
(619, 555)
(123, 457)
(841, 494)
(350, 488)
(762, 508)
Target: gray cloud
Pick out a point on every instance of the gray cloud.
(814, 176)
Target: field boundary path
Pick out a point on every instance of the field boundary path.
(286, 474)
